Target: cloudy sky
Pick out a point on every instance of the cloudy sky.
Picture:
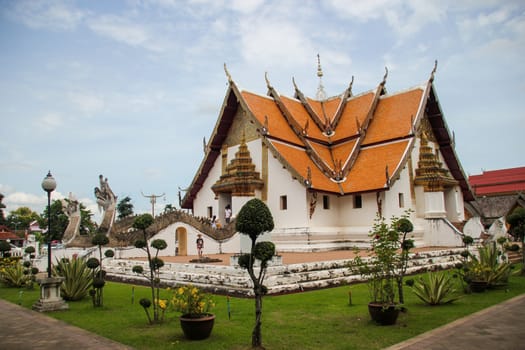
(128, 89)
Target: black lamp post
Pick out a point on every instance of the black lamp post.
(49, 184)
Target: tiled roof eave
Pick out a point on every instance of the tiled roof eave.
(442, 134)
(228, 110)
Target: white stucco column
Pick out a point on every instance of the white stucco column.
(435, 205)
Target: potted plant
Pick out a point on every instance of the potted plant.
(196, 320)
(486, 269)
(382, 271)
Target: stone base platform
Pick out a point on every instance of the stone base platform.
(285, 278)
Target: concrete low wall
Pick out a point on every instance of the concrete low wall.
(279, 279)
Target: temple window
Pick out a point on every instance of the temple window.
(358, 201)
(284, 203)
(401, 199)
(326, 202)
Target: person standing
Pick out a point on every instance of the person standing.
(227, 214)
(200, 245)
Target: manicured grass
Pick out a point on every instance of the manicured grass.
(310, 320)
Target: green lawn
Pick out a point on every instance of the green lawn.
(310, 320)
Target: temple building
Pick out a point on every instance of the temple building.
(498, 193)
(327, 166)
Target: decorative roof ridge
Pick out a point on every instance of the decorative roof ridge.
(387, 141)
(342, 104)
(257, 94)
(311, 112)
(421, 86)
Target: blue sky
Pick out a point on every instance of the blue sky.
(128, 89)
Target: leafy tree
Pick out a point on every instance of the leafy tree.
(2, 207)
(402, 227)
(59, 221)
(142, 222)
(20, 218)
(99, 240)
(124, 207)
(169, 208)
(4, 249)
(253, 220)
(516, 221)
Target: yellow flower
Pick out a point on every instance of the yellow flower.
(162, 304)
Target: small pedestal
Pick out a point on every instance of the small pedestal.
(50, 299)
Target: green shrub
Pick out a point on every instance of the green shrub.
(437, 288)
(14, 276)
(77, 278)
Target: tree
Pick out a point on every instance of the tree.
(516, 221)
(98, 283)
(403, 226)
(87, 225)
(169, 208)
(142, 222)
(4, 249)
(2, 207)
(124, 207)
(253, 220)
(59, 221)
(21, 218)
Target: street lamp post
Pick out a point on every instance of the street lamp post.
(49, 184)
(50, 299)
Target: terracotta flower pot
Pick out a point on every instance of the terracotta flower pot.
(197, 328)
(384, 316)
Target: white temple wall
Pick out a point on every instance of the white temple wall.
(281, 185)
(205, 197)
(454, 204)
(349, 216)
(327, 210)
(398, 199)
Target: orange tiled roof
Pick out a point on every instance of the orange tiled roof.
(370, 139)
(344, 144)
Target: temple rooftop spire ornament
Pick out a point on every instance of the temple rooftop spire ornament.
(321, 94)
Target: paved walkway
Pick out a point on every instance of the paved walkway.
(23, 329)
(499, 327)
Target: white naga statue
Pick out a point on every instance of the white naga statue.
(71, 207)
(106, 201)
(104, 194)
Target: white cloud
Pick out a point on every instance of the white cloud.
(47, 14)
(125, 31)
(362, 10)
(265, 40)
(34, 202)
(87, 102)
(49, 121)
(246, 6)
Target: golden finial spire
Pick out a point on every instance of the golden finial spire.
(319, 70)
(321, 94)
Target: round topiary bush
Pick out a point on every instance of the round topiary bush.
(138, 269)
(92, 263)
(264, 251)
(404, 225)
